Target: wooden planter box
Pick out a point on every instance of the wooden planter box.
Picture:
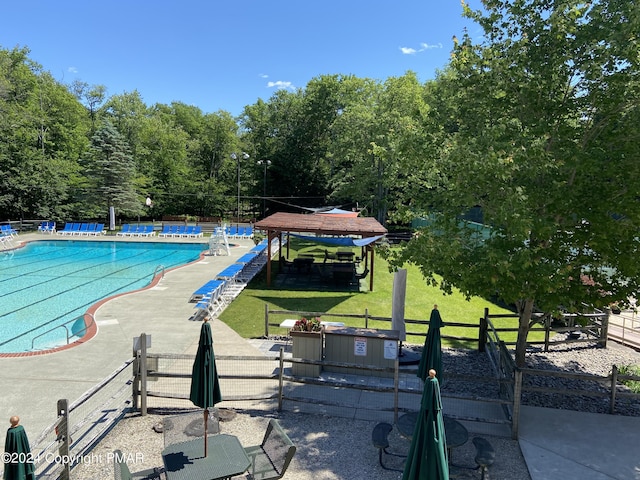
(307, 345)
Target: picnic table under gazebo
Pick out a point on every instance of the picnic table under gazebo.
(353, 231)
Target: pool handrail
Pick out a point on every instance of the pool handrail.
(64, 325)
(155, 271)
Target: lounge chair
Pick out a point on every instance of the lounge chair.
(99, 230)
(272, 457)
(69, 229)
(82, 229)
(148, 231)
(7, 230)
(165, 232)
(47, 227)
(206, 290)
(197, 231)
(124, 231)
(179, 231)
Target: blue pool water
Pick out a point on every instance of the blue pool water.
(50, 283)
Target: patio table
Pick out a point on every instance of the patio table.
(186, 460)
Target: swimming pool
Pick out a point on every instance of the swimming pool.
(50, 283)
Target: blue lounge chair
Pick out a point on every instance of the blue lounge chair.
(99, 229)
(166, 229)
(82, 229)
(47, 227)
(147, 231)
(197, 231)
(124, 231)
(230, 272)
(72, 230)
(247, 258)
(8, 230)
(206, 290)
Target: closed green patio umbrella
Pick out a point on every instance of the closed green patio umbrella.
(428, 458)
(432, 350)
(205, 389)
(17, 461)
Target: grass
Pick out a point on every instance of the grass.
(632, 370)
(246, 313)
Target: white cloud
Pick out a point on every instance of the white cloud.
(263, 75)
(426, 46)
(280, 85)
(408, 51)
(423, 47)
(72, 70)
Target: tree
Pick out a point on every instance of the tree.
(42, 133)
(111, 172)
(538, 127)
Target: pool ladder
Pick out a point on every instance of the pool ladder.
(155, 272)
(65, 326)
(159, 268)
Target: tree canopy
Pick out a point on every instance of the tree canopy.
(540, 131)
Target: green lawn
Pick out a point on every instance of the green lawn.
(246, 313)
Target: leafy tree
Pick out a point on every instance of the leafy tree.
(42, 132)
(92, 96)
(377, 131)
(538, 128)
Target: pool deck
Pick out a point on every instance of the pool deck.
(33, 384)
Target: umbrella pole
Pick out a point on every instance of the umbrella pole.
(206, 419)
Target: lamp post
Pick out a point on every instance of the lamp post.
(243, 156)
(266, 163)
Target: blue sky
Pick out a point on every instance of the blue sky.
(224, 55)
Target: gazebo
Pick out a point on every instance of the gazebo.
(348, 227)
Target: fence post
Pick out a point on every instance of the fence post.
(614, 384)
(135, 388)
(396, 385)
(281, 379)
(482, 331)
(517, 396)
(62, 431)
(604, 331)
(547, 331)
(266, 320)
(143, 374)
(366, 318)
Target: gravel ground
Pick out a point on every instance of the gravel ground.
(568, 358)
(327, 448)
(332, 448)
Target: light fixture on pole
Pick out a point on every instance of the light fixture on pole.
(234, 156)
(266, 163)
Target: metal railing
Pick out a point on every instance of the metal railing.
(69, 334)
(155, 271)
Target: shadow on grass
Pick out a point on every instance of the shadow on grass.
(306, 304)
